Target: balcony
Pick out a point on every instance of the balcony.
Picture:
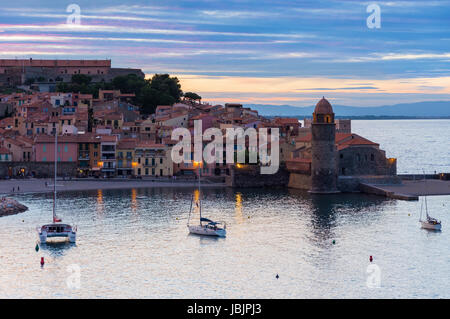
(149, 164)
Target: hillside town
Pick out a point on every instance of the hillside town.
(117, 140)
(106, 135)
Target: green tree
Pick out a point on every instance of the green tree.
(161, 89)
(192, 96)
(29, 81)
(81, 79)
(130, 83)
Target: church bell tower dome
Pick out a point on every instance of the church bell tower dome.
(323, 113)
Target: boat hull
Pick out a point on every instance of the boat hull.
(203, 230)
(56, 230)
(430, 226)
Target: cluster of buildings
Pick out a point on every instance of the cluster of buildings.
(108, 137)
(44, 75)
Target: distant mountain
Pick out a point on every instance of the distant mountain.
(419, 109)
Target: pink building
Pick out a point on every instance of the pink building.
(44, 148)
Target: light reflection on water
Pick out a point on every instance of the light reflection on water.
(135, 243)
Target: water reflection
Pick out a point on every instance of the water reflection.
(326, 211)
(289, 230)
(100, 205)
(238, 208)
(133, 200)
(57, 248)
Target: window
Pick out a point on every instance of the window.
(160, 161)
(146, 171)
(66, 149)
(372, 157)
(44, 148)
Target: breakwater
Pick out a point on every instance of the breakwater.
(9, 206)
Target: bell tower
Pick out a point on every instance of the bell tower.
(323, 150)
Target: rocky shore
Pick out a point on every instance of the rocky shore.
(9, 206)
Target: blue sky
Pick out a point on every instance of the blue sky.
(269, 52)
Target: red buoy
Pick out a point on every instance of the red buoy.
(370, 258)
(42, 261)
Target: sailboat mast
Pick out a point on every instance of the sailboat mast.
(426, 188)
(199, 191)
(54, 182)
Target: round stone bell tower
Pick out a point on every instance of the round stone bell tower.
(323, 150)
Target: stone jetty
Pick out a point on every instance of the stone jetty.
(9, 206)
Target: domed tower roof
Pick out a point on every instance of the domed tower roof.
(323, 107)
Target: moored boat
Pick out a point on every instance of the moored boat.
(206, 227)
(430, 222)
(57, 228)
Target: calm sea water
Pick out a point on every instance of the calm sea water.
(135, 244)
(417, 144)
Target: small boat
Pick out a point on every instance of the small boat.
(206, 226)
(211, 228)
(430, 222)
(56, 229)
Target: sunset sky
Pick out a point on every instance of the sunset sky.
(266, 52)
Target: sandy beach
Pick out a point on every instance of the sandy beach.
(21, 186)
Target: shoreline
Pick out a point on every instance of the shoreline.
(29, 186)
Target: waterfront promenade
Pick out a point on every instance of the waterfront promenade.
(410, 189)
(39, 185)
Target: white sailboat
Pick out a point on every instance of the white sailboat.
(206, 226)
(57, 228)
(430, 222)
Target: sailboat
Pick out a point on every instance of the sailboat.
(430, 222)
(57, 228)
(206, 226)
